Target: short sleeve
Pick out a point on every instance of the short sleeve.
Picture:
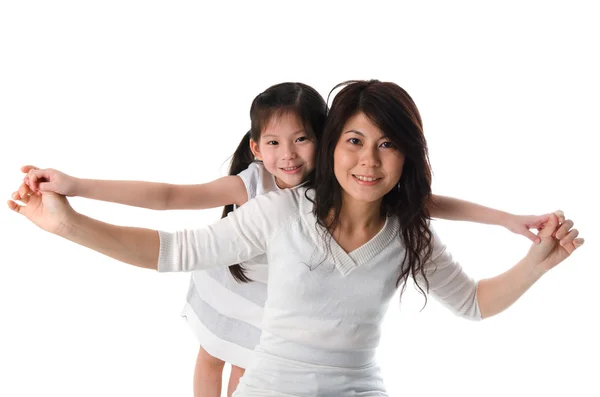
(251, 178)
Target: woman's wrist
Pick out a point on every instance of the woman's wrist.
(68, 224)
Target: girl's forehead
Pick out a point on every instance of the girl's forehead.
(285, 123)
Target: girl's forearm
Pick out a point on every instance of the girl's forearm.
(453, 209)
(149, 195)
(496, 294)
(135, 246)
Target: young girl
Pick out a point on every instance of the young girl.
(286, 122)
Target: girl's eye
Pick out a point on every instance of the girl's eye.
(388, 144)
(272, 143)
(302, 139)
(354, 141)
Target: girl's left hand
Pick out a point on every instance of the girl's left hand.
(521, 224)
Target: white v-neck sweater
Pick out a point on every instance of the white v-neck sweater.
(324, 306)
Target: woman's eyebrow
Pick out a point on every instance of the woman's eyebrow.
(355, 131)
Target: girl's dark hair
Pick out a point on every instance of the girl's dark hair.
(393, 111)
(296, 98)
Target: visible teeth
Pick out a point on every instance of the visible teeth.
(365, 178)
(291, 168)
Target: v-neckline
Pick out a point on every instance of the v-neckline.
(344, 261)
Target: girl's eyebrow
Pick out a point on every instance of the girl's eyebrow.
(277, 136)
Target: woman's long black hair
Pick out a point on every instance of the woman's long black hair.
(393, 111)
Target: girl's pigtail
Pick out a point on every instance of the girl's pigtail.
(241, 159)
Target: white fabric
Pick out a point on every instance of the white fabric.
(223, 314)
(324, 306)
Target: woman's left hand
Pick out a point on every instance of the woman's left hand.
(558, 241)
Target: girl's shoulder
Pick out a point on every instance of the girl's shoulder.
(257, 180)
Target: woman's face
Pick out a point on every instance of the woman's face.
(366, 163)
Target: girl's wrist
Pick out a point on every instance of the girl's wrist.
(80, 187)
(504, 219)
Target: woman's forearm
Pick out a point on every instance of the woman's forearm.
(496, 294)
(134, 246)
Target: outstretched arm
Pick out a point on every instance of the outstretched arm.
(454, 209)
(449, 284)
(152, 195)
(558, 242)
(52, 212)
(240, 236)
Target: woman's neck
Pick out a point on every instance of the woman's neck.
(358, 222)
(359, 216)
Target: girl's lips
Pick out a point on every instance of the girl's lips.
(291, 170)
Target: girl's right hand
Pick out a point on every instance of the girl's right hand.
(49, 180)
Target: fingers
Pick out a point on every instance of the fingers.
(549, 228)
(564, 228)
(13, 206)
(560, 215)
(538, 221)
(561, 231)
(24, 190)
(27, 182)
(531, 236)
(20, 197)
(569, 238)
(34, 177)
(25, 169)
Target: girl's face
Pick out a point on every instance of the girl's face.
(286, 150)
(366, 163)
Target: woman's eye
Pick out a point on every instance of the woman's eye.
(388, 145)
(354, 141)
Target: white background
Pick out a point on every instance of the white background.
(161, 91)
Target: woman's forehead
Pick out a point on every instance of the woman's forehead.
(360, 124)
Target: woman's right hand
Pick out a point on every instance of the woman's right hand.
(48, 210)
(49, 180)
